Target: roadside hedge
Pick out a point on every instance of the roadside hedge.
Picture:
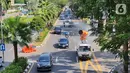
(16, 67)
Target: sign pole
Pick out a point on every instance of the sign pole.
(2, 29)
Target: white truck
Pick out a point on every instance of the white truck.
(84, 51)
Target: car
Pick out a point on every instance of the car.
(84, 51)
(62, 17)
(57, 30)
(66, 33)
(63, 42)
(44, 62)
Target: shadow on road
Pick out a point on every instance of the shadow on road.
(64, 57)
(106, 58)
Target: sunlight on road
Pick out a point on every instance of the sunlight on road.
(81, 66)
(96, 67)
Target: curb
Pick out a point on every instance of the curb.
(28, 67)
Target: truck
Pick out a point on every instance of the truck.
(84, 51)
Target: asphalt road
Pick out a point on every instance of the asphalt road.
(65, 60)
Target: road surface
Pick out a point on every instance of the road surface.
(65, 60)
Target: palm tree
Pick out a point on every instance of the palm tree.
(47, 10)
(5, 4)
(32, 4)
(17, 33)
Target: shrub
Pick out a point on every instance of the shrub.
(16, 67)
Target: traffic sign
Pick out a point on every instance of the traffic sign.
(121, 9)
(2, 47)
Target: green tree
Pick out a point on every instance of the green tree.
(112, 41)
(47, 10)
(60, 3)
(19, 1)
(32, 4)
(37, 24)
(5, 4)
(17, 32)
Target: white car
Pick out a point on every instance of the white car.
(84, 51)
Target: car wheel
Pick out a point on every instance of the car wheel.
(38, 71)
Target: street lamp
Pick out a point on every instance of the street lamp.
(2, 41)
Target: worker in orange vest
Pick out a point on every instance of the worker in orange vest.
(83, 35)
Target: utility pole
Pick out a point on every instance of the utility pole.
(2, 41)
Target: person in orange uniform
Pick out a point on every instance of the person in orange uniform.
(83, 35)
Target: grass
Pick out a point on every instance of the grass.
(12, 12)
(42, 36)
(25, 19)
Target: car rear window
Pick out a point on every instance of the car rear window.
(63, 40)
(84, 48)
(44, 59)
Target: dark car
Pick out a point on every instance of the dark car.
(57, 30)
(44, 63)
(63, 42)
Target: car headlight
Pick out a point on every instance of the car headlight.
(38, 65)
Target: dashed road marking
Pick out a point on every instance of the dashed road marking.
(57, 59)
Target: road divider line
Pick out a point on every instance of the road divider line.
(81, 66)
(98, 65)
(57, 59)
(86, 67)
(77, 59)
(31, 68)
(93, 66)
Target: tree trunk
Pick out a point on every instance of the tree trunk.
(15, 51)
(100, 26)
(125, 57)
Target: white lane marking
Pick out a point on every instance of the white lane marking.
(57, 59)
(10, 49)
(77, 59)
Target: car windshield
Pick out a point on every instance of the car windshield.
(84, 48)
(63, 40)
(44, 59)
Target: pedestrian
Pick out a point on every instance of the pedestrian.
(83, 35)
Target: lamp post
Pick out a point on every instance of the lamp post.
(2, 41)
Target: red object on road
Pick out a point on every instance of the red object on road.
(83, 35)
(29, 49)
